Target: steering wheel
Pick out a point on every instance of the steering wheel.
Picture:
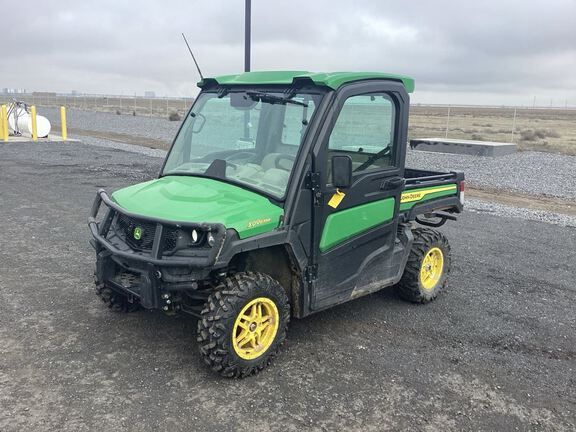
(283, 157)
(240, 156)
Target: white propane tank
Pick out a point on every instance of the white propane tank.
(43, 126)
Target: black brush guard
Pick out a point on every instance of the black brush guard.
(159, 269)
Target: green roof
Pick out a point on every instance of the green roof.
(331, 79)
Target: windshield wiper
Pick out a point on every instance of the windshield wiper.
(270, 98)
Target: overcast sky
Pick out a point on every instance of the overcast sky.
(496, 52)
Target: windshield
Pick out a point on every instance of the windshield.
(250, 137)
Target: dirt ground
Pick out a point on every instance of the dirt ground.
(496, 351)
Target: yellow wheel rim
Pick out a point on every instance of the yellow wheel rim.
(255, 328)
(432, 268)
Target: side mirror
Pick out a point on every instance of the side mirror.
(341, 171)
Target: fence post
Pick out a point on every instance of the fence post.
(63, 123)
(513, 127)
(34, 125)
(447, 122)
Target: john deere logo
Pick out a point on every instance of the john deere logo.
(137, 233)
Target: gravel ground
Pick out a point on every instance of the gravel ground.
(129, 148)
(516, 212)
(535, 173)
(494, 352)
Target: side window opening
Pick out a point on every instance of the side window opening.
(365, 131)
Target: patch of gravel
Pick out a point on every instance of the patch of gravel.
(156, 153)
(502, 210)
(535, 173)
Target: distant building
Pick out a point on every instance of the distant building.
(149, 94)
(44, 94)
(5, 90)
(74, 92)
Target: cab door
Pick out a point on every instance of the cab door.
(355, 228)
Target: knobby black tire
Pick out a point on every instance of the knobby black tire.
(115, 301)
(409, 287)
(218, 317)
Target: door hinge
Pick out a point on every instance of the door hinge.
(312, 181)
(311, 273)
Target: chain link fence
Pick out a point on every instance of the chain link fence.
(532, 128)
(131, 105)
(548, 129)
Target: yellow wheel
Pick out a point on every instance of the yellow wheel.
(427, 267)
(255, 328)
(431, 268)
(243, 324)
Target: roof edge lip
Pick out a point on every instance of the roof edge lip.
(333, 80)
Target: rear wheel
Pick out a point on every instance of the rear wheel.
(243, 324)
(427, 267)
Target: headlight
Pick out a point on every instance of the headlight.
(194, 236)
(210, 239)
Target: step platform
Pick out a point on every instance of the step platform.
(462, 146)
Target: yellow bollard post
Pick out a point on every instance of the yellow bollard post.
(63, 123)
(34, 127)
(4, 123)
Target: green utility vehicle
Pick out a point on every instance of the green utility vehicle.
(283, 194)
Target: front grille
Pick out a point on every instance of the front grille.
(170, 238)
(138, 233)
(126, 226)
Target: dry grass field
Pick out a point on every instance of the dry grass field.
(540, 129)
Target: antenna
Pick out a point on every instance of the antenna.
(193, 58)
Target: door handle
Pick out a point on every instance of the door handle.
(392, 183)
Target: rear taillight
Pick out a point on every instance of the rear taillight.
(461, 188)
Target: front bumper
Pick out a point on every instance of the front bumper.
(165, 265)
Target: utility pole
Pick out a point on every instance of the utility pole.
(247, 31)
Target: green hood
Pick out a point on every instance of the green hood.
(198, 199)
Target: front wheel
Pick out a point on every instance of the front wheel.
(243, 324)
(427, 267)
